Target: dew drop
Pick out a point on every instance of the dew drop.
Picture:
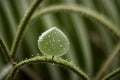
(53, 38)
(60, 45)
(32, 55)
(58, 40)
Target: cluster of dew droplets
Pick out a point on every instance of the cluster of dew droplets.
(33, 56)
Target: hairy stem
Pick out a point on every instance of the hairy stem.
(112, 74)
(46, 59)
(22, 27)
(83, 11)
(108, 62)
(4, 50)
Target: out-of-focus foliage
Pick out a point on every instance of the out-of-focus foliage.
(91, 43)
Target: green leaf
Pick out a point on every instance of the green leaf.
(53, 42)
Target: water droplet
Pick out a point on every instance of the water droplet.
(49, 36)
(58, 40)
(32, 55)
(25, 58)
(60, 45)
(53, 38)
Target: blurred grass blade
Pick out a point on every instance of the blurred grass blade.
(22, 27)
(85, 12)
(108, 62)
(112, 74)
(4, 49)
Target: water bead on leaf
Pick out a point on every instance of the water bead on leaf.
(53, 42)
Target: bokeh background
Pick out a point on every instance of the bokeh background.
(91, 43)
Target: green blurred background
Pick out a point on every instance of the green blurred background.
(91, 43)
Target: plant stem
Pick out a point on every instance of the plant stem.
(83, 11)
(46, 59)
(4, 49)
(22, 27)
(112, 74)
(108, 62)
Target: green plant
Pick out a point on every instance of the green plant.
(108, 25)
(53, 42)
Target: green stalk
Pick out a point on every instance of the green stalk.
(46, 59)
(112, 74)
(108, 62)
(4, 49)
(22, 27)
(83, 11)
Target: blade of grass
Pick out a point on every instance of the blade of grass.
(82, 35)
(85, 12)
(5, 51)
(111, 11)
(112, 74)
(22, 27)
(108, 62)
(7, 22)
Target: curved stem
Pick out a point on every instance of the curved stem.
(4, 49)
(22, 27)
(46, 59)
(108, 62)
(112, 74)
(83, 11)
(5, 70)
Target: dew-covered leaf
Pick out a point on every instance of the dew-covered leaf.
(53, 42)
